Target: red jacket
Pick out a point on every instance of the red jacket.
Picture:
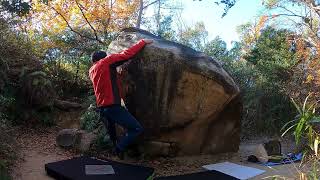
(105, 79)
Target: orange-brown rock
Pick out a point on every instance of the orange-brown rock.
(182, 97)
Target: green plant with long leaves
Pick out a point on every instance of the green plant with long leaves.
(3, 172)
(304, 124)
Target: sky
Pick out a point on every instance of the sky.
(208, 12)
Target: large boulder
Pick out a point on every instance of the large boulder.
(182, 97)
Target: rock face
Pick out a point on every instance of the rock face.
(66, 105)
(37, 90)
(182, 97)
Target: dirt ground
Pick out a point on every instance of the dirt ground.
(38, 148)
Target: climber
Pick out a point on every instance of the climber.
(107, 89)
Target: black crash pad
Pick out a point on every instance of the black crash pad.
(206, 175)
(74, 169)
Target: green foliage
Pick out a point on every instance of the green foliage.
(217, 48)
(7, 149)
(7, 103)
(103, 141)
(14, 107)
(194, 37)
(69, 70)
(228, 4)
(266, 107)
(66, 59)
(304, 124)
(271, 3)
(161, 23)
(262, 75)
(166, 30)
(45, 116)
(18, 7)
(14, 47)
(314, 173)
(271, 54)
(3, 172)
(90, 120)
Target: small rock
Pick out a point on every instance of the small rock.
(66, 138)
(273, 147)
(74, 138)
(86, 140)
(66, 105)
(153, 148)
(265, 150)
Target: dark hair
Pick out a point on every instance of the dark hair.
(97, 55)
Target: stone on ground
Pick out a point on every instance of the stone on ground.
(74, 138)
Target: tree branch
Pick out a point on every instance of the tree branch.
(150, 4)
(315, 7)
(73, 30)
(84, 16)
(293, 13)
(109, 18)
(290, 15)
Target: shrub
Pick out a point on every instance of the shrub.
(3, 172)
(103, 141)
(90, 120)
(266, 105)
(72, 71)
(306, 126)
(7, 151)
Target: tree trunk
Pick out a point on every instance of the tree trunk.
(159, 18)
(140, 14)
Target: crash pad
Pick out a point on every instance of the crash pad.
(75, 169)
(206, 175)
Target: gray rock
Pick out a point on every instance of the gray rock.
(268, 151)
(67, 138)
(273, 147)
(86, 140)
(74, 138)
(67, 105)
(37, 90)
(153, 148)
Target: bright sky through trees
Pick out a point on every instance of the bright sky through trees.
(208, 12)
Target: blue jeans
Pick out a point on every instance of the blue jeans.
(116, 114)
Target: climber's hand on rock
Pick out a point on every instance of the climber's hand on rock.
(148, 41)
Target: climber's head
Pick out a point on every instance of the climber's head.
(97, 55)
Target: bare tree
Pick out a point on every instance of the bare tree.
(142, 7)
